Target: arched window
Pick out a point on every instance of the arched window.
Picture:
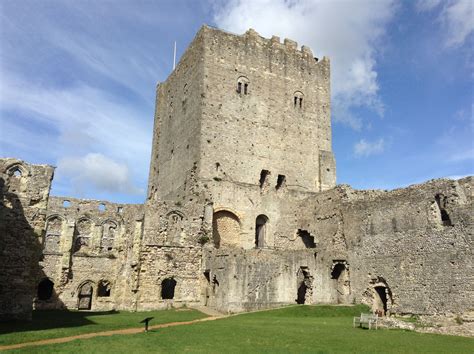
(167, 288)
(260, 231)
(45, 289)
(109, 229)
(243, 85)
(16, 170)
(298, 100)
(225, 229)
(53, 234)
(82, 235)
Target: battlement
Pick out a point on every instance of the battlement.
(252, 37)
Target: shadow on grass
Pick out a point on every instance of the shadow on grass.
(50, 319)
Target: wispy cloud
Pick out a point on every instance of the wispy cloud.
(426, 5)
(365, 148)
(456, 16)
(84, 119)
(348, 32)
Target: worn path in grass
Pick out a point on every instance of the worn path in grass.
(103, 334)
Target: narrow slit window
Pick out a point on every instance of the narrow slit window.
(280, 181)
(295, 101)
(263, 177)
(239, 87)
(246, 85)
(301, 102)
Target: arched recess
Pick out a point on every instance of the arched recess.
(109, 233)
(225, 229)
(82, 235)
(381, 296)
(174, 225)
(84, 295)
(45, 289)
(168, 286)
(341, 281)
(261, 225)
(52, 237)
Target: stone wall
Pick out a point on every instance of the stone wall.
(416, 242)
(175, 150)
(88, 247)
(24, 192)
(266, 107)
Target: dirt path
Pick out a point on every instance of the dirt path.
(102, 334)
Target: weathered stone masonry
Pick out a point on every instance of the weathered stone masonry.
(243, 211)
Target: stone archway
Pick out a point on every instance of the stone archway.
(225, 229)
(378, 296)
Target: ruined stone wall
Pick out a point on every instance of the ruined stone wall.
(171, 250)
(89, 244)
(266, 107)
(175, 149)
(243, 280)
(416, 242)
(24, 192)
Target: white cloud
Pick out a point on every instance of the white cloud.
(456, 17)
(366, 148)
(459, 21)
(97, 171)
(80, 119)
(348, 32)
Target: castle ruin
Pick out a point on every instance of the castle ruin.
(242, 212)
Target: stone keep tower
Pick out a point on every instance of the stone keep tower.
(246, 120)
(243, 109)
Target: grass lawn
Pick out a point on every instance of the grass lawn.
(300, 329)
(55, 324)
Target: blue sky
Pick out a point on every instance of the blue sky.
(77, 83)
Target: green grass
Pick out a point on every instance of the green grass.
(55, 324)
(300, 329)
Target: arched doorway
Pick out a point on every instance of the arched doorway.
(45, 289)
(85, 296)
(225, 229)
(380, 300)
(260, 230)
(167, 288)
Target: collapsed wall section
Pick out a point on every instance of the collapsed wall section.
(24, 192)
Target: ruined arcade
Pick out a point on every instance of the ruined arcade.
(243, 211)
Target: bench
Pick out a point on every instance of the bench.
(365, 319)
